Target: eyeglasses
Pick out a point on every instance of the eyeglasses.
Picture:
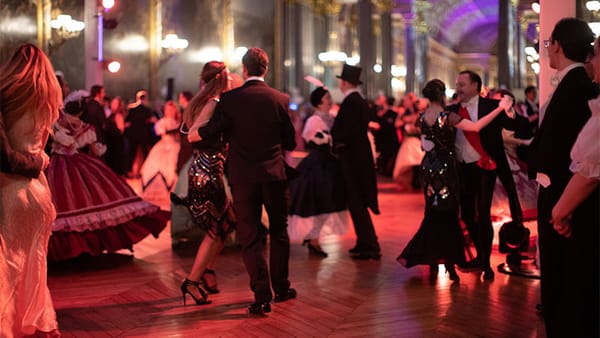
(547, 43)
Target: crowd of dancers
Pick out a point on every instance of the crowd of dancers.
(223, 157)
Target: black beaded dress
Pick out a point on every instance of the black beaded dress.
(439, 238)
(208, 201)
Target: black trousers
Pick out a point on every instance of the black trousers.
(366, 238)
(248, 199)
(505, 176)
(570, 268)
(476, 192)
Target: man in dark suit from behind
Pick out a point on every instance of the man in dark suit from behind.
(351, 144)
(93, 111)
(254, 118)
(568, 312)
(481, 159)
(531, 107)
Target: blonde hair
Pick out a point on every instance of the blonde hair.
(122, 109)
(28, 83)
(214, 81)
(173, 105)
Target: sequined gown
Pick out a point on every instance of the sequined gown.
(208, 200)
(439, 238)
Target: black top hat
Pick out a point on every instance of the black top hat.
(351, 74)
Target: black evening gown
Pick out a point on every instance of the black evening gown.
(319, 188)
(439, 238)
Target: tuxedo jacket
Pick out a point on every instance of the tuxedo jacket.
(565, 116)
(93, 113)
(254, 119)
(351, 144)
(491, 135)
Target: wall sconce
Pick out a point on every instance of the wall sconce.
(593, 5)
(63, 28)
(173, 44)
(594, 8)
(332, 56)
(66, 26)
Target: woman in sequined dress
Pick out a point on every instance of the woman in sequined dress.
(439, 239)
(208, 201)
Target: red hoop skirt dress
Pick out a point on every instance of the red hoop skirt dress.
(97, 211)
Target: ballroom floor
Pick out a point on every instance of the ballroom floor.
(124, 295)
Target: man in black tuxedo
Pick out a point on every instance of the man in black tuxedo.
(481, 159)
(93, 111)
(567, 312)
(351, 144)
(254, 118)
(531, 107)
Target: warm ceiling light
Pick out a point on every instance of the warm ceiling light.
(593, 5)
(113, 66)
(108, 4)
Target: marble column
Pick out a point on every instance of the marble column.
(551, 11)
(298, 46)
(506, 35)
(155, 36)
(521, 61)
(93, 44)
(410, 37)
(44, 30)
(366, 46)
(279, 47)
(386, 52)
(422, 61)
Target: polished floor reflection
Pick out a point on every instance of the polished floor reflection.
(120, 295)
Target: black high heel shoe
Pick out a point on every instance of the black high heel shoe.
(199, 301)
(452, 273)
(210, 288)
(314, 250)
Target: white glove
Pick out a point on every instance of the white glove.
(525, 142)
(426, 144)
(98, 149)
(321, 137)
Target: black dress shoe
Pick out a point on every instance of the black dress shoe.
(452, 273)
(355, 250)
(259, 308)
(488, 273)
(366, 255)
(282, 297)
(473, 264)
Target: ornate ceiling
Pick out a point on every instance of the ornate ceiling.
(466, 26)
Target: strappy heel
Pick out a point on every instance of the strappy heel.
(452, 273)
(199, 301)
(210, 288)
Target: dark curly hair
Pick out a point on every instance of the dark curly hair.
(435, 91)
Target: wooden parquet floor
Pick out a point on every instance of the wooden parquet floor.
(119, 295)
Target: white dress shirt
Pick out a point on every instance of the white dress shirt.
(464, 150)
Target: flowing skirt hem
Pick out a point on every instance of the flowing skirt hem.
(68, 244)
